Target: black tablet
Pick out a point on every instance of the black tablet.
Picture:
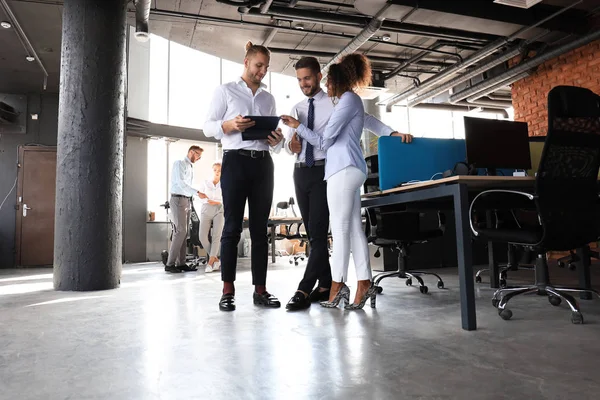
(262, 129)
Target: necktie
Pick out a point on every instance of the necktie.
(309, 156)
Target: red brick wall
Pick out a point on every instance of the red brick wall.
(580, 67)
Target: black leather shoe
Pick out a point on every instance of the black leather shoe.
(266, 300)
(299, 302)
(187, 268)
(227, 302)
(172, 269)
(318, 296)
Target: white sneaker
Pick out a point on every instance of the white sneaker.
(208, 269)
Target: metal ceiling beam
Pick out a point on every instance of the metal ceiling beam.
(572, 21)
(336, 19)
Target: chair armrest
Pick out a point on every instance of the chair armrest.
(526, 195)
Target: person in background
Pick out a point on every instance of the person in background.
(182, 176)
(247, 172)
(211, 215)
(345, 172)
(311, 188)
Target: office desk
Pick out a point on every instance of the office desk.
(273, 223)
(457, 190)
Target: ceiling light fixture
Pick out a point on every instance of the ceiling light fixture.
(6, 24)
(386, 37)
(30, 59)
(142, 36)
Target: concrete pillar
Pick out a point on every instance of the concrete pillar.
(89, 176)
(369, 140)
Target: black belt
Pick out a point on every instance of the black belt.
(249, 153)
(318, 163)
(180, 195)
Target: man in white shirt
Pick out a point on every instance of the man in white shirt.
(246, 172)
(311, 188)
(182, 176)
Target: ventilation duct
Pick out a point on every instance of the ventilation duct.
(142, 15)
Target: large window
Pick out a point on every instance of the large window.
(191, 85)
(159, 80)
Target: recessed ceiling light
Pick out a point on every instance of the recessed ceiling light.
(30, 58)
(300, 26)
(386, 37)
(5, 24)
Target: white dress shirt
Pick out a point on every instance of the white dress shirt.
(341, 138)
(182, 176)
(323, 110)
(212, 191)
(233, 99)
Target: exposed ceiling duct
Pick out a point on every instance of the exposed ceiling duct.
(360, 39)
(142, 15)
(360, 21)
(473, 59)
(461, 108)
(487, 91)
(419, 57)
(527, 65)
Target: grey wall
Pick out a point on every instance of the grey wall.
(135, 199)
(43, 131)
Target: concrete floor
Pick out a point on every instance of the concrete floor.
(162, 337)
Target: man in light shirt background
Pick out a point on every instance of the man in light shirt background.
(311, 188)
(182, 176)
(247, 172)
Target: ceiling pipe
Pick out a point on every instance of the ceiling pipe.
(388, 60)
(330, 18)
(493, 96)
(265, 7)
(527, 65)
(416, 58)
(490, 103)
(360, 39)
(24, 40)
(473, 59)
(142, 15)
(459, 108)
(488, 90)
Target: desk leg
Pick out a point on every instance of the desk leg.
(583, 270)
(273, 236)
(493, 264)
(465, 258)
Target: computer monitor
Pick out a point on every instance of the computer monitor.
(494, 144)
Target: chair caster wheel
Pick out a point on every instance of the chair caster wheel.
(379, 289)
(572, 267)
(554, 300)
(164, 255)
(561, 264)
(505, 314)
(495, 302)
(423, 289)
(478, 279)
(503, 283)
(291, 262)
(440, 285)
(576, 317)
(408, 282)
(296, 263)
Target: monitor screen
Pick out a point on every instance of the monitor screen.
(495, 144)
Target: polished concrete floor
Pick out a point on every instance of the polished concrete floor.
(162, 336)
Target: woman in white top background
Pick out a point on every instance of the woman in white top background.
(345, 173)
(211, 213)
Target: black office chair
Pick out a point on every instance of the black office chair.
(399, 229)
(293, 231)
(564, 205)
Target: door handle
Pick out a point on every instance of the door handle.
(25, 208)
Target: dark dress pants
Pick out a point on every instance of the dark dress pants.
(244, 178)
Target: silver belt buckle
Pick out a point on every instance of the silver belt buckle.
(254, 153)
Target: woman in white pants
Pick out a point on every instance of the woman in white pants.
(345, 173)
(211, 213)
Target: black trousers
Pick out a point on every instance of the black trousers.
(311, 193)
(246, 178)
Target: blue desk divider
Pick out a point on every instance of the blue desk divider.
(418, 161)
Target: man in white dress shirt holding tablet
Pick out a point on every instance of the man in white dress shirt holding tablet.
(246, 172)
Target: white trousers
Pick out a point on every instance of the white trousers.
(343, 198)
(211, 215)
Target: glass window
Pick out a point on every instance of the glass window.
(192, 83)
(430, 123)
(459, 122)
(286, 91)
(159, 80)
(231, 71)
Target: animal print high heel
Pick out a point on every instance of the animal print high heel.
(342, 295)
(370, 293)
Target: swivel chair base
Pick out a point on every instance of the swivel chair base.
(542, 287)
(409, 276)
